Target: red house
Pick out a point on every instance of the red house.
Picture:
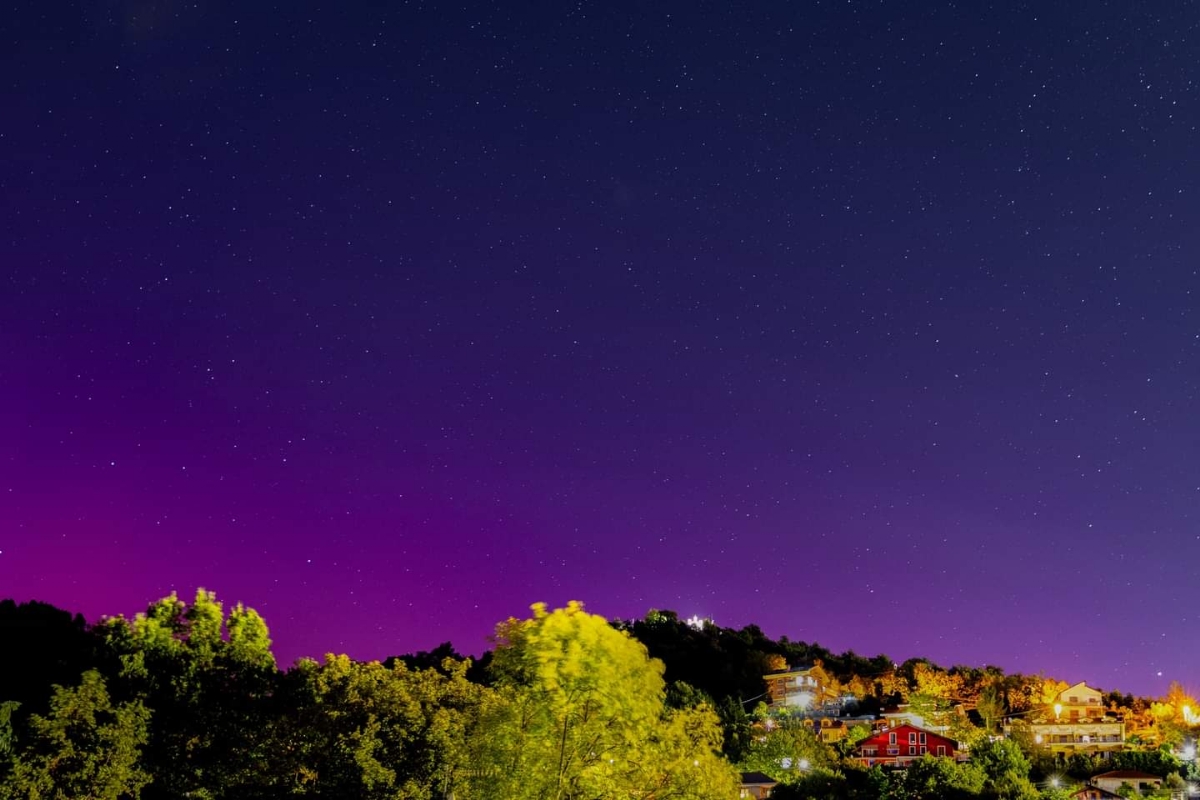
(898, 746)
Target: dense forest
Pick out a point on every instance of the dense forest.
(186, 701)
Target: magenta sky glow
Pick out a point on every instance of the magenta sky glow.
(872, 325)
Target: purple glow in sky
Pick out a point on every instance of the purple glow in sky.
(871, 324)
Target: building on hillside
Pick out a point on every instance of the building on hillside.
(1077, 722)
(834, 729)
(805, 690)
(904, 715)
(756, 785)
(903, 744)
(1144, 782)
(1078, 702)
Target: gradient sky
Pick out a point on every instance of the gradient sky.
(870, 323)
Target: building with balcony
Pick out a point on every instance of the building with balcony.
(804, 690)
(1076, 722)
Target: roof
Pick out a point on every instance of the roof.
(1093, 791)
(757, 779)
(1129, 773)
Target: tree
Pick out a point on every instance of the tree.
(55, 647)
(369, 731)
(990, 706)
(579, 711)
(1006, 768)
(8, 737)
(786, 749)
(209, 682)
(86, 747)
(942, 778)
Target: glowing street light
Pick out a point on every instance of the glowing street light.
(1057, 711)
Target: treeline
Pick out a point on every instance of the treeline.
(186, 701)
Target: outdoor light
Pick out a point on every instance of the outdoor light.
(803, 763)
(1037, 739)
(1057, 711)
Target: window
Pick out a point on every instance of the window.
(870, 751)
(922, 738)
(912, 749)
(924, 749)
(892, 737)
(893, 751)
(941, 749)
(912, 738)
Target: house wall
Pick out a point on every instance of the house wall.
(907, 747)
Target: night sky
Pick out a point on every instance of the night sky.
(870, 323)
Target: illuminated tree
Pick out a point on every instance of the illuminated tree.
(990, 706)
(579, 712)
(208, 681)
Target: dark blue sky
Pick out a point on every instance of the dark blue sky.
(869, 323)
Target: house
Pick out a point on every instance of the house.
(1076, 722)
(1078, 702)
(900, 745)
(1112, 781)
(805, 690)
(834, 729)
(755, 785)
(904, 715)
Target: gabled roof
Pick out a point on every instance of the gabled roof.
(1129, 773)
(906, 726)
(1093, 791)
(1082, 684)
(757, 779)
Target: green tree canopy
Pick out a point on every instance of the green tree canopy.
(580, 712)
(85, 748)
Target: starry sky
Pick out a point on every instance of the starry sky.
(870, 323)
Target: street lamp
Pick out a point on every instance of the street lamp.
(1057, 711)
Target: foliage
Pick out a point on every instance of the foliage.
(990, 706)
(1006, 768)
(580, 712)
(209, 682)
(785, 748)
(368, 731)
(55, 647)
(86, 747)
(941, 777)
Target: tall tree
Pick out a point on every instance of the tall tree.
(990, 706)
(580, 713)
(209, 682)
